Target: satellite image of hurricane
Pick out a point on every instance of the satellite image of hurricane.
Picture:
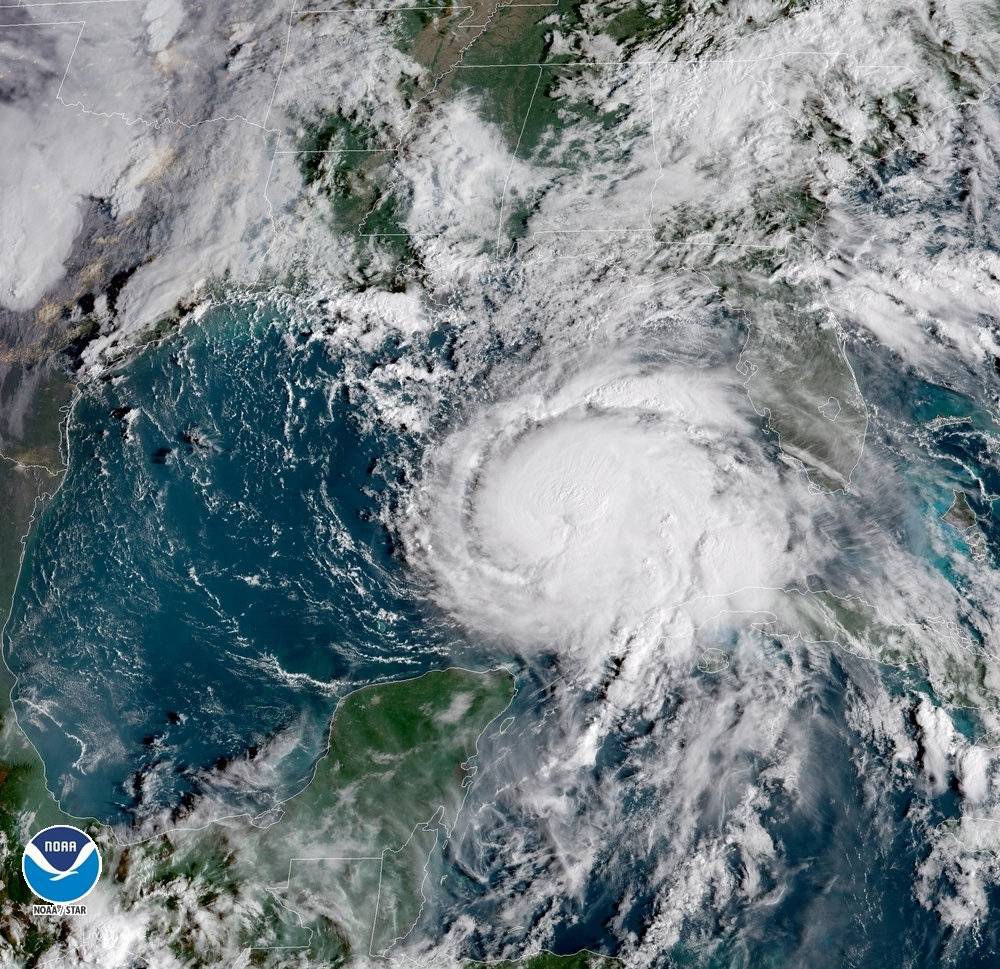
(499, 484)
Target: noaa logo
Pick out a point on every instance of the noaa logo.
(61, 864)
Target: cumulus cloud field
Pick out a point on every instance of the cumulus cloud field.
(692, 341)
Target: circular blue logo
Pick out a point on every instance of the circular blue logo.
(61, 864)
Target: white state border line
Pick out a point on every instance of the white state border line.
(503, 199)
(129, 121)
(443, 8)
(6, 646)
(46, 23)
(469, 765)
(513, 161)
(302, 13)
(553, 230)
(59, 3)
(245, 816)
(126, 119)
(3, 632)
(461, 65)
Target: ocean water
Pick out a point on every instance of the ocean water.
(849, 843)
(848, 847)
(940, 441)
(213, 572)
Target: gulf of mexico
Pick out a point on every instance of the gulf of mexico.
(212, 574)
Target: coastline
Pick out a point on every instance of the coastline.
(31, 472)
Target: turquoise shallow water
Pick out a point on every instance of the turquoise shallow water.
(212, 571)
(215, 573)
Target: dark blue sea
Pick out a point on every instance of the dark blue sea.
(213, 572)
(216, 572)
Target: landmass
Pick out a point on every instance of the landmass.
(338, 870)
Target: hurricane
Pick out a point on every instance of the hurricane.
(602, 499)
(502, 484)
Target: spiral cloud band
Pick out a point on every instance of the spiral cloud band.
(597, 501)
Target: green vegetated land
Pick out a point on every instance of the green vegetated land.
(343, 870)
(514, 77)
(30, 467)
(353, 169)
(553, 110)
(526, 88)
(403, 740)
(30, 470)
(545, 105)
(388, 792)
(800, 377)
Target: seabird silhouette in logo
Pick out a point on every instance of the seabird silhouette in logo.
(61, 864)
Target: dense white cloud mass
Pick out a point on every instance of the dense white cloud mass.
(598, 500)
(43, 185)
(689, 323)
